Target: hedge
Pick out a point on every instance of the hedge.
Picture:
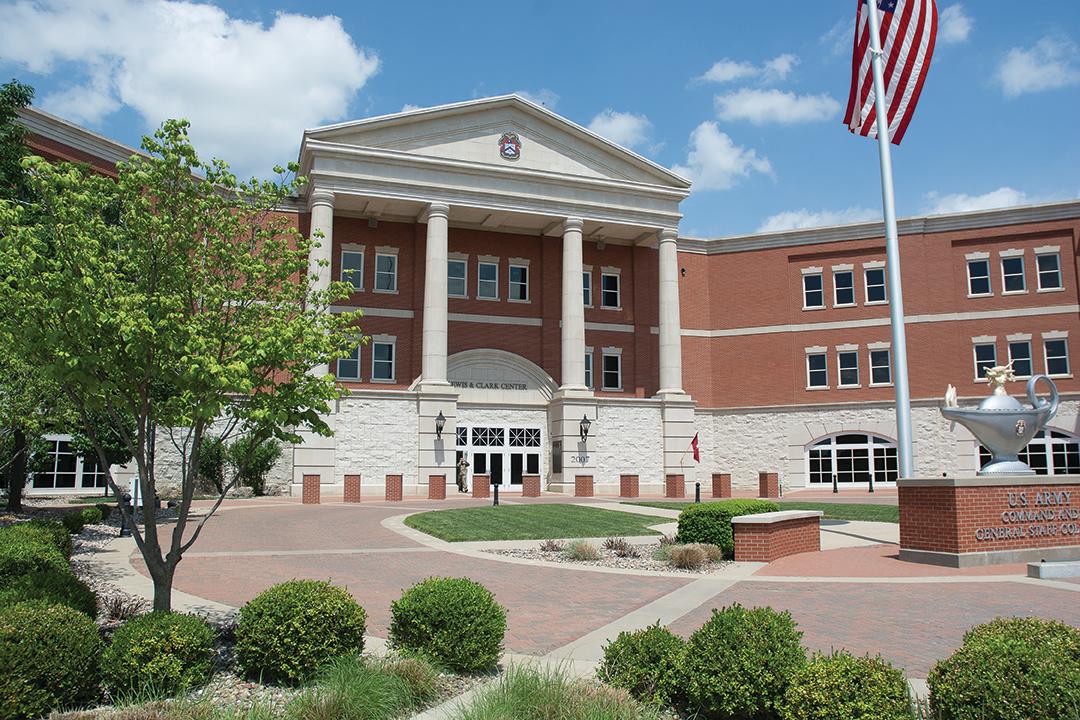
(48, 531)
(159, 654)
(711, 522)
(841, 685)
(23, 553)
(646, 663)
(56, 587)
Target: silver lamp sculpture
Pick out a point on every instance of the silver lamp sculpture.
(1001, 423)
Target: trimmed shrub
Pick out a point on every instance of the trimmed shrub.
(844, 686)
(687, 557)
(646, 664)
(159, 654)
(1010, 668)
(453, 621)
(91, 515)
(106, 511)
(286, 632)
(73, 522)
(48, 531)
(740, 662)
(711, 522)
(50, 656)
(581, 550)
(55, 587)
(24, 553)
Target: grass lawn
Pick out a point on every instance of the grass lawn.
(833, 511)
(530, 522)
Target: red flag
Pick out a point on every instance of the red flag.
(694, 445)
(908, 32)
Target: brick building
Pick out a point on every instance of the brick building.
(519, 274)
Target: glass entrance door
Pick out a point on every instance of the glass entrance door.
(505, 453)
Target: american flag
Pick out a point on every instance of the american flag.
(908, 31)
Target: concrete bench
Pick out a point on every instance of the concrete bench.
(769, 536)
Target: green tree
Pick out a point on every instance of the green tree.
(171, 300)
(253, 461)
(212, 464)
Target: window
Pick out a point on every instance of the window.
(1012, 274)
(1049, 266)
(1020, 357)
(817, 370)
(843, 288)
(352, 268)
(609, 290)
(348, 367)
(978, 277)
(880, 367)
(848, 364)
(487, 281)
(813, 295)
(985, 358)
(1050, 452)
(852, 458)
(1057, 356)
(385, 273)
(586, 288)
(456, 283)
(875, 286)
(588, 368)
(519, 283)
(60, 468)
(382, 360)
(612, 379)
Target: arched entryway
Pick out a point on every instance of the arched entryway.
(1050, 452)
(852, 457)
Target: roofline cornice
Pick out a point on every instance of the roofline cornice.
(54, 128)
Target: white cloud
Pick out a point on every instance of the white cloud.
(938, 204)
(621, 128)
(1050, 64)
(773, 70)
(798, 219)
(839, 38)
(246, 87)
(954, 25)
(543, 96)
(775, 106)
(715, 162)
(409, 107)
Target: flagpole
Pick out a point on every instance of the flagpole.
(892, 253)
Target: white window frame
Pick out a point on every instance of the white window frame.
(390, 340)
(521, 264)
(1020, 340)
(813, 272)
(589, 380)
(339, 376)
(875, 267)
(983, 258)
(837, 271)
(358, 251)
(1063, 338)
(1048, 251)
(587, 285)
(1003, 257)
(610, 352)
(390, 252)
(617, 274)
(85, 469)
(821, 352)
(880, 348)
(482, 262)
(464, 260)
(843, 351)
(976, 343)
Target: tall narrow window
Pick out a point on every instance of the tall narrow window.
(1020, 357)
(519, 283)
(588, 368)
(880, 367)
(978, 277)
(1049, 265)
(612, 379)
(609, 290)
(813, 294)
(985, 358)
(1057, 356)
(843, 288)
(386, 272)
(586, 288)
(1012, 274)
(382, 360)
(487, 281)
(348, 367)
(456, 283)
(848, 364)
(352, 268)
(875, 286)
(817, 370)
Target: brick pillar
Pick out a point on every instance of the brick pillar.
(675, 486)
(436, 487)
(393, 488)
(481, 486)
(530, 486)
(768, 485)
(311, 489)
(583, 486)
(721, 485)
(628, 486)
(352, 488)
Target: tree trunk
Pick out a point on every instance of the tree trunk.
(17, 473)
(163, 582)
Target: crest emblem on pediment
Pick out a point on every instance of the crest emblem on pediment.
(510, 146)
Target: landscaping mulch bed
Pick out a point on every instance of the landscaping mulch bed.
(609, 559)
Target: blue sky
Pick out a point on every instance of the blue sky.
(744, 99)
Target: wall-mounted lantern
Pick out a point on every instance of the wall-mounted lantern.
(440, 423)
(584, 426)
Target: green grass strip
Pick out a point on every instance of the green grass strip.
(833, 511)
(531, 522)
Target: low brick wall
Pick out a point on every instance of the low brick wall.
(311, 489)
(628, 486)
(352, 489)
(583, 486)
(530, 486)
(963, 522)
(393, 488)
(675, 486)
(721, 485)
(769, 536)
(436, 488)
(481, 486)
(768, 485)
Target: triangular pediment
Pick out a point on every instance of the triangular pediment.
(472, 132)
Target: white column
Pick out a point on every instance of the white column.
(321, 204)
(433, 365)
(670, 324)
(573, 308)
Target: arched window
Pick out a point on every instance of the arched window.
(852, 458)
(1055, 454)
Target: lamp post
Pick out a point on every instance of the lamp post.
(584, 426)
(440, 423)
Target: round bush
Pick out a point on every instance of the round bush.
(91, 516)
(73, 522)
(106, 510)
(159, 654)
(711, 522)
(48, 531)
(50, 656)
(23, 554)
(55, 587)
(453, 621)
(844, 686)
(739, 663)
(646, 664)
(1008, 669)
(289, 630)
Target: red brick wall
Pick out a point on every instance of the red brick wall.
(980, 519)
(628, 486)
(765, 542)
(352, 489)
(583, 486)
(436, 487)
(393, 488)
(481, 486)
(675, 486)
(721, 485)
(530, 486)
(311, 490)
(768, 485)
